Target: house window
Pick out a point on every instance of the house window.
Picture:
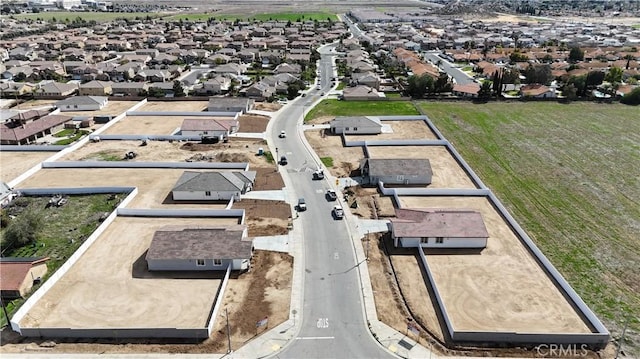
(346, 128)
(424, 240)
(439, 240)
(206, 132)
(355, 129)
(200, 262)
(207, 193)
(217, 262)
(75, 106)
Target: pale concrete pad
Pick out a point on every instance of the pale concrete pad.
(113, 108)
(501, 288)
(174, 106)
(109, 286)
(274, 195)
(272, 243)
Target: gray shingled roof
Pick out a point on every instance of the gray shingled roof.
(216, 181)
(450, 223)
(398, 166)
(356, 121)
(81, 100)
(204, 243)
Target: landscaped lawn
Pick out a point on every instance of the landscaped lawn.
(570, 175)
(332, 107)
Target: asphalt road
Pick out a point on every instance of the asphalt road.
(459, 76)
(333, 322)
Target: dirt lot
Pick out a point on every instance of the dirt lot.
(446, 171)
(263, 291)
(99, 286)
(265, 218)
(236, 150)
(345, 159)
(267, 106)
(499, 288)
(14, 163)
(149, 125)
(267, 179)
(371, 204)
(113, 108)
(402, 130)
(253, 123)
(174, 106)
(34, 104)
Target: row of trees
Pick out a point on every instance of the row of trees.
(422, 85)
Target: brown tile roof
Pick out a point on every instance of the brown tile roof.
(14, 270)
(438, 222)
(194, 243)
(31, 128)
(534, 89)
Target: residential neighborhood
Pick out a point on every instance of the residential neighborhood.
(406, 180)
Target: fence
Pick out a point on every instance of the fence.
(243, 166)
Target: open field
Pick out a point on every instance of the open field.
(446, 171)
(570, 175)
(62, 16)
(283, 16)
(361, 108)
(486, 297)
(14, 163)
(149, 299)
(147, 125)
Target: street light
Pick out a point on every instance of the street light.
(277, 159)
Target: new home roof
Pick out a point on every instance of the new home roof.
(82, 100)
(193, 243)
(356, 121)
(438, 222)
(31, 128)
(398, 166)
(216, 181)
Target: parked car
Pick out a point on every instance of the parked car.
(282, 134)
(302, 205)
(331, 195)
(283, 161)
(338, 212)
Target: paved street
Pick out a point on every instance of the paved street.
(458, 76)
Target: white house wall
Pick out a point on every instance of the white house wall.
(186, 265)
(201, 195)
(204, 133)
(68, 108)
(409, 242)
(359, 131)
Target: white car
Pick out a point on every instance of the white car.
(282, 134)
(338, 212)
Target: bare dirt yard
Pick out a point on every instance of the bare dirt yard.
(401, 130)
(265, 218)
(236, 150)
(499, 288)
(370, 204)
(174, 106)
(446, 171)
(99, 286)
(264, 291)
(34, 104)
(267, 179)
(14, 163)
(253, 123)
(267, 106)
(345, 159)
(113, 108)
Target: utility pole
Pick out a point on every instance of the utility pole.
(226, 314)
(624, 331)
(367, 252)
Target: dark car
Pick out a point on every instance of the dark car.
(331, 195)
(283, 161)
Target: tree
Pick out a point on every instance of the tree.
(155, 92)
(418, 86)
(594, 78)
(569, 92)
(443, 83)
(576, 54)
(539, 74)
(25, 228)
(485, 90)
(632, 98)
(496, 80)
(178, 90)
(628, 58)
(614, 75)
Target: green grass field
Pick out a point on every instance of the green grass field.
(570, 175)
(88, 16)
(361, 108)
(288, 16)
